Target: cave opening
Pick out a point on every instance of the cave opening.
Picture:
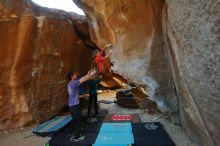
(66, 5)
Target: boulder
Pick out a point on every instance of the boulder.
(130, 98)
(172, 47)
(38, 47)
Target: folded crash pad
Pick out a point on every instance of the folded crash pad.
(52, 126)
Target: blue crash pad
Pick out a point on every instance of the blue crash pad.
(115, 134)
(115, 138)
(53, 126)
(116, 128)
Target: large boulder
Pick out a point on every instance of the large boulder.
(191, 34)
(181, 68)
(134, 30)
(38, 47)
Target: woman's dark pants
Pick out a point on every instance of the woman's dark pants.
(76, 114)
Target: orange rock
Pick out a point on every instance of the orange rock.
(38, 47)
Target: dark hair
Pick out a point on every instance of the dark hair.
(70, 74)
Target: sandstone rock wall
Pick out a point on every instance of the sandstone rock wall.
(172, 47)
(38, 47)
(187, 55)
(192, 35)
(134, 30)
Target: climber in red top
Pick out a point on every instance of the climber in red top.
(102, 60)
(99, 60)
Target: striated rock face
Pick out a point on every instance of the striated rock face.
(192, 35)
(38, 47)
(187, 54)
(81, 27)
(134, 30)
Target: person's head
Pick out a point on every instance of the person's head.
(72, 75)
(77, 74)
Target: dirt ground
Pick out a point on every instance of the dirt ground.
(24, 136)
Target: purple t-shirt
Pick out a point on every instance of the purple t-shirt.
(73, 91)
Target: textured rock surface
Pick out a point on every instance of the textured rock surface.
(134, 30)
(81, 27)
(38, 46)
(192, 35)
(36, 50)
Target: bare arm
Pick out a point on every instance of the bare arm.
(108, 48)
(108, 54)
(90, 75)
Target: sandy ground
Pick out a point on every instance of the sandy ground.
(24, 136)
